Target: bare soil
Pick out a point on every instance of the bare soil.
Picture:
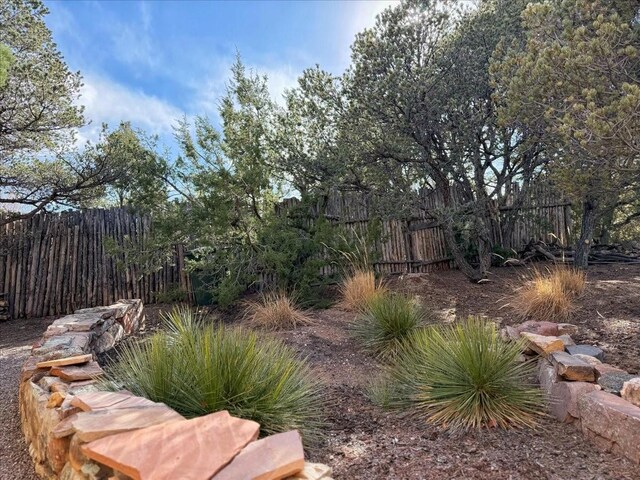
(367, 442)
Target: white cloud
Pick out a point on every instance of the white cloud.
(110, 102)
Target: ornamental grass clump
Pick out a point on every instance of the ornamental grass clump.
(198, 368)
(386, 323)
(550, 295)
(359, 289)
(275, 311)
(461, 377)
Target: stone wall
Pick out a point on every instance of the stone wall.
(600, 399)
(75, 431)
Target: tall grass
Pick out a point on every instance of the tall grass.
(461, 376)
(275, 311)
(550, 294)
(198, 368)
(386, 322)
(359, 289)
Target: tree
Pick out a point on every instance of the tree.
(39, 165)
(575, 82)
(6, 60)
(421, 108)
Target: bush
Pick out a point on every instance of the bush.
(386, 323)
(550, 295)
(358, 289)
(197, 368)
(462, 376)
(275, 311)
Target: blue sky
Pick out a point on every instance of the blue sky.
(152, 62)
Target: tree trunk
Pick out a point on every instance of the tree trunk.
(475, 274)
(583, 246)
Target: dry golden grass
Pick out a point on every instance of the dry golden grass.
(275, 311)
(550, 295)
(359, 289)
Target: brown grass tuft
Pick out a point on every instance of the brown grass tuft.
(275, 311)
(359, 289)
(550, 295)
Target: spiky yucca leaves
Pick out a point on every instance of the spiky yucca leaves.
(463, 376)
(198, 368)
(360, 288)
(386, 323)
(549, 295)
(275, 311)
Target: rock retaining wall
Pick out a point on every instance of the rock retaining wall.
(600, 399)
(77, 432)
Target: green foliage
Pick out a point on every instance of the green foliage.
(197, 368)
(462, 376)
(6, 60)
(388, 320)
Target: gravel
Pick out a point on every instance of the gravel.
(16, 337)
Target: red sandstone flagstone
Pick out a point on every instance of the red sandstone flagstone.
(73, 373)
(272, 458)
(78, 359)
(100, 400)
(188, 450)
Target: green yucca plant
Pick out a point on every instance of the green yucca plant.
(463, 376)
(197, 368)
(386, 322)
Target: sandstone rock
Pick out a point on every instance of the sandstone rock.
(614, 419)
(586, 350)
(567, 329)
(82, 387)
(102, 400)
(74, 373)
(593, 361)
(572, 368)
(61, 362)
(65, 427)
(510, 333)
(567, 340)
(543, 345)
(48, 381)
(313, 471)
(613, 382)
(56, 399)
(603, 368)
(631, 391)
(546, 329)
(271, 458)
(78, 322)
(564, 396)
(90, 426)
(30, 371)
(167, 451)
(57, 452)
(547, 375)
(65, 345)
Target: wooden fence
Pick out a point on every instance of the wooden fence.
(53, 264)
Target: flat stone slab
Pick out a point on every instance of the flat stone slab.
(567, 329)
(89, 426)
(572, 368)
(603, 368)
(546, 329)
(201, 446)
(564, 396)
(93, 401)
(61, 362)
(78, 322)
(586, 350)
(613, 419)
(74, 373)
(271, 458)
(547, 375)
(63, 346)
(313, 471)
(613, 382)
(543, 345)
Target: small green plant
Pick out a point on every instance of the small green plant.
(462, 376)
(197, 368)
(386, 323)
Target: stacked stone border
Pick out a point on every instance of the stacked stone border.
(601, 400)
(75, 431)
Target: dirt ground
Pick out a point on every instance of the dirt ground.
(367, 442)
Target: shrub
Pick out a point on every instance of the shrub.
(550, 295)
(462, 376)
(386, 323)
(275, 311)
(360, 288)
(197, 368)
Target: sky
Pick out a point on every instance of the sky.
(153, 62)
